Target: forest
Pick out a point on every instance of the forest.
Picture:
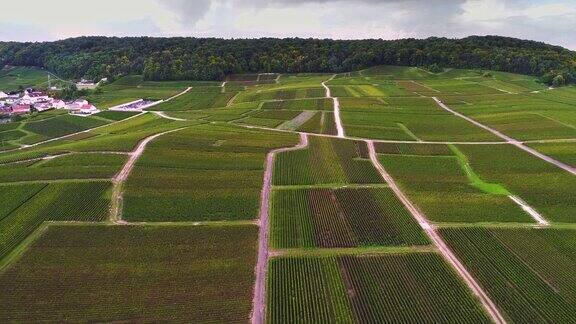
(213, 59)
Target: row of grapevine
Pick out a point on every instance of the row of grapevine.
(529, 273)
(408, 287)
(100, 273)
(332, 227)
(379, 218)
(341, 218)
(357, 171)
(413, 149)
(326, 161)
(54, 202)
(313, 125)
(403, 288)
(321, 123)
(328, 124)
(306, 290)
(205, 173)
(290, 222)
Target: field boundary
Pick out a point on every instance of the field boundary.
(163, 115)
(70, 135)
(530, 211)
(21, 248)
(329, 252)
(490, 307)
(259, 300)
(388, 141)
(122, 176)
(509, 139)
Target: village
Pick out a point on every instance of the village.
(30, 100)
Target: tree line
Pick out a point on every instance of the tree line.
(212, 59)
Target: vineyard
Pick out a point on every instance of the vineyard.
(380, 289)
(202, 173)
(50, 202)
(52, 124)
(387, 195)
(302, 104)
(329, 161)
(133, 87)
(197, 98)
(288, 94)
(106, 273)
(340, 218)
(529, 272)
(434, 178)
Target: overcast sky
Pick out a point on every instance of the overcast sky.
(551, 21)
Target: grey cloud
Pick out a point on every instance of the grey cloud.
(293, 3)
(188, 11)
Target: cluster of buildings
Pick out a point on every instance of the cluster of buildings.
(29, 100)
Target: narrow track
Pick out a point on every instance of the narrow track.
(55, 156)
(437, 240)
(259, 300)
(530, 211)
(339, 127)
(369, 139)
(179, 94)
(163, 115)
(509, 139)
(120, 178)
(69, 135)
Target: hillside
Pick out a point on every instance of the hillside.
(213, 59)
(358, 197)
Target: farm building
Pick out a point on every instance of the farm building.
(43, 106)
(82, 107)
(58, 104)
(20, 109)
(31, 97)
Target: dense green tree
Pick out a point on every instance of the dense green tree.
(212, 59)
(558, 81)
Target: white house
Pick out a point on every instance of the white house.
(89, 110)
(34, 97)
(82, 107)
(58, 104)
(43, 106)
